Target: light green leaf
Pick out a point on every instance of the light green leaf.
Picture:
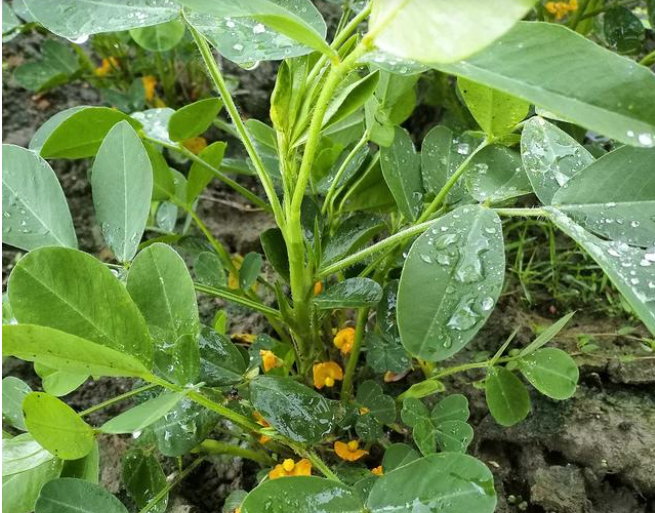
(507, 397)
(161, 37)
(34, 208)
(20, 491)
(144, 479)
(630, 269)
(425, 388)
(454, 436)
(22, 453)
(350, 293)
(78, 134)
(450, 282)
(199, 175)
(450, 482)
(431, 32)
(122, 181)
(44, 131)
(69, 495)
(614, 196)
(350, 98)
(193, 119)
(143, 415)
(57, 427)
(294, 410)
(304, 494)
(163, 186)
(496, 174)
(496, 112)
(414, 411)
(77, 19)
(14, 391)
(71, 291)
(87, 468)
(545, 63)
(155, 123)
(9, 19)
(64, 351)
(209, 270)
(259, 30)
(547, 335)
(57, 382)
(551, 371)
(425, 436)
(398, 455)
(401, 168)
(550, 157)
(453, 407)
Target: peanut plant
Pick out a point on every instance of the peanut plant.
(383, 265)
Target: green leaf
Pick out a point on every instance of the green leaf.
(67, 352)
(398, 455)
(424, 389)
(221, 362)
(614, 196)
(9, 19)
(193, 119)
(69, 495)
(442, 153)
(551, 371)
(551, 157)
(350, 99)
(414, 411)
(425, 436)
(22, 453)
(250, 269)
(144, 479)
(385, 353)
(275, 249)
(34, 208)
(44, 131)
(209, 270)
(350, 293)
(14, 391)
(163, 186)
(623, 30)
(454, 436)
(20, 491)
(453, 407)
(77, 19)
(161, 286)
(155, 123)
(401, 168)
(620, 104)
(450, 282)
(382, 407)
(122, 182)
(57, 382)
(57, 63)
(496, 174)
(436, 476)
(496, 112)
(57, 427)
(259, 30)
(454, 30)
(71, 291)
(159, 38)
(294, 410)
(547, 335)
(199, 175)
(628, 268)
(143, 415)
(507, 397)
(351, 235)
(87, 468)
(306, 494)
(79, 134)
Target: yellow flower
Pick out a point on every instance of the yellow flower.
(561, 9)
(378, 471)
(349, 451)
(195, 145)
(245, 338)
(262, 422)
(345, 339)
(318, 288)
(290, 468)
(326, 373)
(108, 65)
(364, 410)
(149, 85)
(238, 510)
(233, 278)
(269, 360)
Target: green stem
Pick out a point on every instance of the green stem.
(648, 59)
(240, 300)
(347, 385)
(169, 486)
(221, 86)
(577, 16)
(116, 399)
(216, 447)
(521, 212)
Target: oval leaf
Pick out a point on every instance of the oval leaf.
(507, 397)
(69, 495)
(551, 371)
(141, 416)
(193, 119)
(144, 479)
(350, 293)
(22, 453)
(496, 174)
(159, 38)
(14, 391)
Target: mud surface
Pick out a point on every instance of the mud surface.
(592, 454)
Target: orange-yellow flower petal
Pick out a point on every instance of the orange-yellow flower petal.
(149, 85)
(345, 339)
(107, 66)
(326, 373)
(318, 288)
(269, 360)
(233, 278)
(349, 451)
(195, 145)
(378, 471)
(290, 468)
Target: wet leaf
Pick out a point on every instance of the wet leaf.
(275, 250)
(425, 436)
(161, 37)
(350, 293)
(454, 436)
(350, 236)
(507, 397)
(209, 270)
(22, 453)
(551, 371)
(450, 283)
(34, 209)
(550, 157)
(381, 406)
(14, 391)
(621, 103)
(453, 407)
(141, 416)
(194, 119)
(221, 362)
(144, 479)
(69, 495)
(496, 174)
(57, 427)
(414, 411)
(294, 410)
(72, 291)
(20, 491)
(623, 30)
(155, 124)
(386, 353)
